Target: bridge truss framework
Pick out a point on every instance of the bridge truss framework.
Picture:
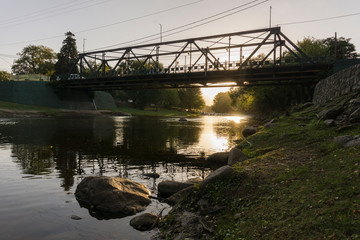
(197, 62)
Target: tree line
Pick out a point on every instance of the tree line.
(254, 100)
(271, 100)
(43, 60)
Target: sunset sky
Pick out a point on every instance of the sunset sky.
(107, 23)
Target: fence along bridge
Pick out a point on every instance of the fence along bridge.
(197, 62)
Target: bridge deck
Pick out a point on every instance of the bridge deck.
(305, 74)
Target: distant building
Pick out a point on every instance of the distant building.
(30, 77)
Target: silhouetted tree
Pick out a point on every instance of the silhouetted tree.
(35, 60)
(67, 56)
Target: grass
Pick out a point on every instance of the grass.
(153, 112)
(11, 108)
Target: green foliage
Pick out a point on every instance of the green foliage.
(222, 103)
(67, 56)
(4, 76)
(325, 48)
(268, 100)
(344, 49)
(191, 98)
(35, 60)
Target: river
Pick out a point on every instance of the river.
(42, 160)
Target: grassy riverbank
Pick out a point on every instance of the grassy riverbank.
(8, 109)
(296, 184)
(155, 112)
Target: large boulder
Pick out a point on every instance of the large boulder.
(220, 158)
(113, 196)
(235, 156)
(220, 173)
(168, 188)
(144, 222)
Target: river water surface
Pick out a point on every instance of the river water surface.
(42, 160)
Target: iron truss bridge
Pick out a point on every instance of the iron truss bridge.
(248, 58)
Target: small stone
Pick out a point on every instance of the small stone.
(248, 131)
(75, 217)
(152, 175)
(144, 222)
(329, 122)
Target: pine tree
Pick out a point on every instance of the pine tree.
(67, 56)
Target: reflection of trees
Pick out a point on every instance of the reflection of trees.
(37, 160)
(151, 135)
(97, 146)
(230, 130)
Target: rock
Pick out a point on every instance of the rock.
(329, 122)
(177, 197)
(168, 188)
(355, 116)
(248, 131)
(220, 158)
(353, 143)
(74, 217)
(151, 175)
(220, 173)
(115, 197)
(235, 156)
(342, 140)
(144, 222)
(331, 113)
(183, 120)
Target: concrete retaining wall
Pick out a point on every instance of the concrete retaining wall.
(337, 85)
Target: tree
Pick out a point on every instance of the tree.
(35, 60)
(222, 103)
(67, 56)
(4, 76)
(191, 98)
(344, 49)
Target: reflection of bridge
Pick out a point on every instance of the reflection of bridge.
(198, 62)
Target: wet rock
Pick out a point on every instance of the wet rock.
(248, 131)
(235, 156)
(74, 217)
(114, 197)
(220, 173)
(183, 120)
(144, 222)
(168, 188)
(151, 175)
(220, 158)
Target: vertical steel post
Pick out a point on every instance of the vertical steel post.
(206, 60)
(274, 49)
(229, 52)
(190, 56)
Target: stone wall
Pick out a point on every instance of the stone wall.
(338, 84)
(43, 94)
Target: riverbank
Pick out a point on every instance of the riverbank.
(8, 109)
(298, 183)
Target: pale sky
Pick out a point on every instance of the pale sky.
(111, 22)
